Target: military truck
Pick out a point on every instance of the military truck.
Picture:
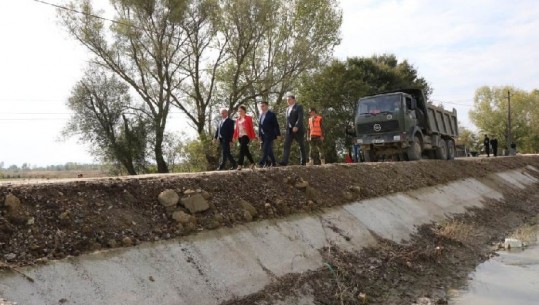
(402, 125)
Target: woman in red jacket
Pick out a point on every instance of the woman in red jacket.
(244, 132)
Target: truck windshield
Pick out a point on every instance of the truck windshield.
(380, 104)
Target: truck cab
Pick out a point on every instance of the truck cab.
(396, 126)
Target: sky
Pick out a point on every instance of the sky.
(456, 45)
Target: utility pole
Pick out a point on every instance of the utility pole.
(509, 130)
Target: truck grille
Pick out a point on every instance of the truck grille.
(384, 127)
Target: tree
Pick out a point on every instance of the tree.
(469, 139)
(101, 116)
(490, 115)
(143, 47)
(192, 153)
(240, 50)
(272, 43)
(335, 89)
(197, 54)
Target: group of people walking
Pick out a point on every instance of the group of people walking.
(242, 130)
(491, 143)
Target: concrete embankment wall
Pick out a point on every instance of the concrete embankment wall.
(219, 265)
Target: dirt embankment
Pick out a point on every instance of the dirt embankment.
(51, 221)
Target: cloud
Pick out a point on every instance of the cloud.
(456, 45)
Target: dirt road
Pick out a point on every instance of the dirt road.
(54, 220)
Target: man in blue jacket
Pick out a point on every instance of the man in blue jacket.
(224, 135)
(268, 130)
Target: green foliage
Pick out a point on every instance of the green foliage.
(469, 139)
(490, 115)
(193, 156)
(197, 54)
(245, 49)
(335, 89)
(144, 49)
(100, 105)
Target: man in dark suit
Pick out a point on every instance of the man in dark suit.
(294, 129)
(268, 130)
(224, 134)
(486, 142)
(494, 145)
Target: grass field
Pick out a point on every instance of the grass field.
(33, 175)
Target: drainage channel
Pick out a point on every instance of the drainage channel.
(510, 278)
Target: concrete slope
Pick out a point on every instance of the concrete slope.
(216, 266)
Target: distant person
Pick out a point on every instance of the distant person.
(244, 132)
(355, 153)
(396, 106)
(486, 143)
(268, 131)
(494, 144)
(350, 131)
(513, 151)
(375, 110)
(224, 135)
(294, 130)
(316, 137)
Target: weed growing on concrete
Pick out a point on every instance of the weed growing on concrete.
(527, 233)
(459, 231)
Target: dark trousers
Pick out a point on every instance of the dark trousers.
(316, 149)
(225, 154)
(487, 150)
(267, 151)
(299, 137)
(244, 150)
(495, 150)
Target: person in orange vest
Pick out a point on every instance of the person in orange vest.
(316, 137)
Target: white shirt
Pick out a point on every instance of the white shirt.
(289, 109)
(262, 118)
(288, 113)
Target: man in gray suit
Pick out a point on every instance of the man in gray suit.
(294, 129)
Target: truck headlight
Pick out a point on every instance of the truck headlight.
(359, 141)
(397, 138)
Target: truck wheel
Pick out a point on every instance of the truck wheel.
(414, 151)
(441, 151)
(369, 156)
(450, 150)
